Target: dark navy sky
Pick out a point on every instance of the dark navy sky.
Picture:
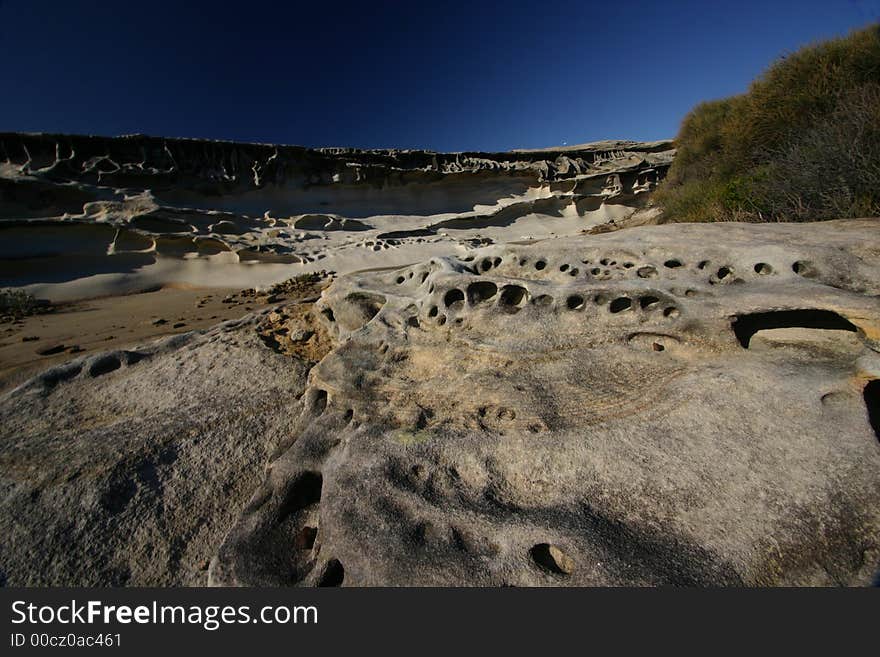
(447, 75)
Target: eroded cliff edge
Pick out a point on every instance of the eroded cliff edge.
(137, 211)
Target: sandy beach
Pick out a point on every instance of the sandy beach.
(117, 322)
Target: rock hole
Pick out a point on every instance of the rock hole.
(574, 302)
(723, 272)
(481, 291)
(657, 346)
(328, 314)
(648, 301)
(333, 574)
(134, 357)
(486, 265)
(512, 296)
(646, 272)
(672, 264)
(413, 322)
(745, 326)
(441, 320)
(60, 374)
(620, 304)
(574, 272)
(671, 312)
(595, 271)
(105, 365)
(433, 312)
(763, 269)
(454, 296)
(543, 300)
(803, 268)
(303, 492)
(872, 403)
(400, 280)
(702, 264)
(540, 265)
(563, 267)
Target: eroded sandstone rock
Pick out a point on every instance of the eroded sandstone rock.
(679, 404)
(703, 425)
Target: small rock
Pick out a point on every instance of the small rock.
(178, 325)
(51, 349)
(29, 338)
(552, 558)
(159, 322)
(300, 335)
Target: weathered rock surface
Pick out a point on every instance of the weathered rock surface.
(679, 404)
(128, 467)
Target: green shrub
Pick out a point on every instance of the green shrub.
(802, 144)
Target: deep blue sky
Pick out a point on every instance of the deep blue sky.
(447, 75)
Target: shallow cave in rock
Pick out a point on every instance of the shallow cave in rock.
(745, 326)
